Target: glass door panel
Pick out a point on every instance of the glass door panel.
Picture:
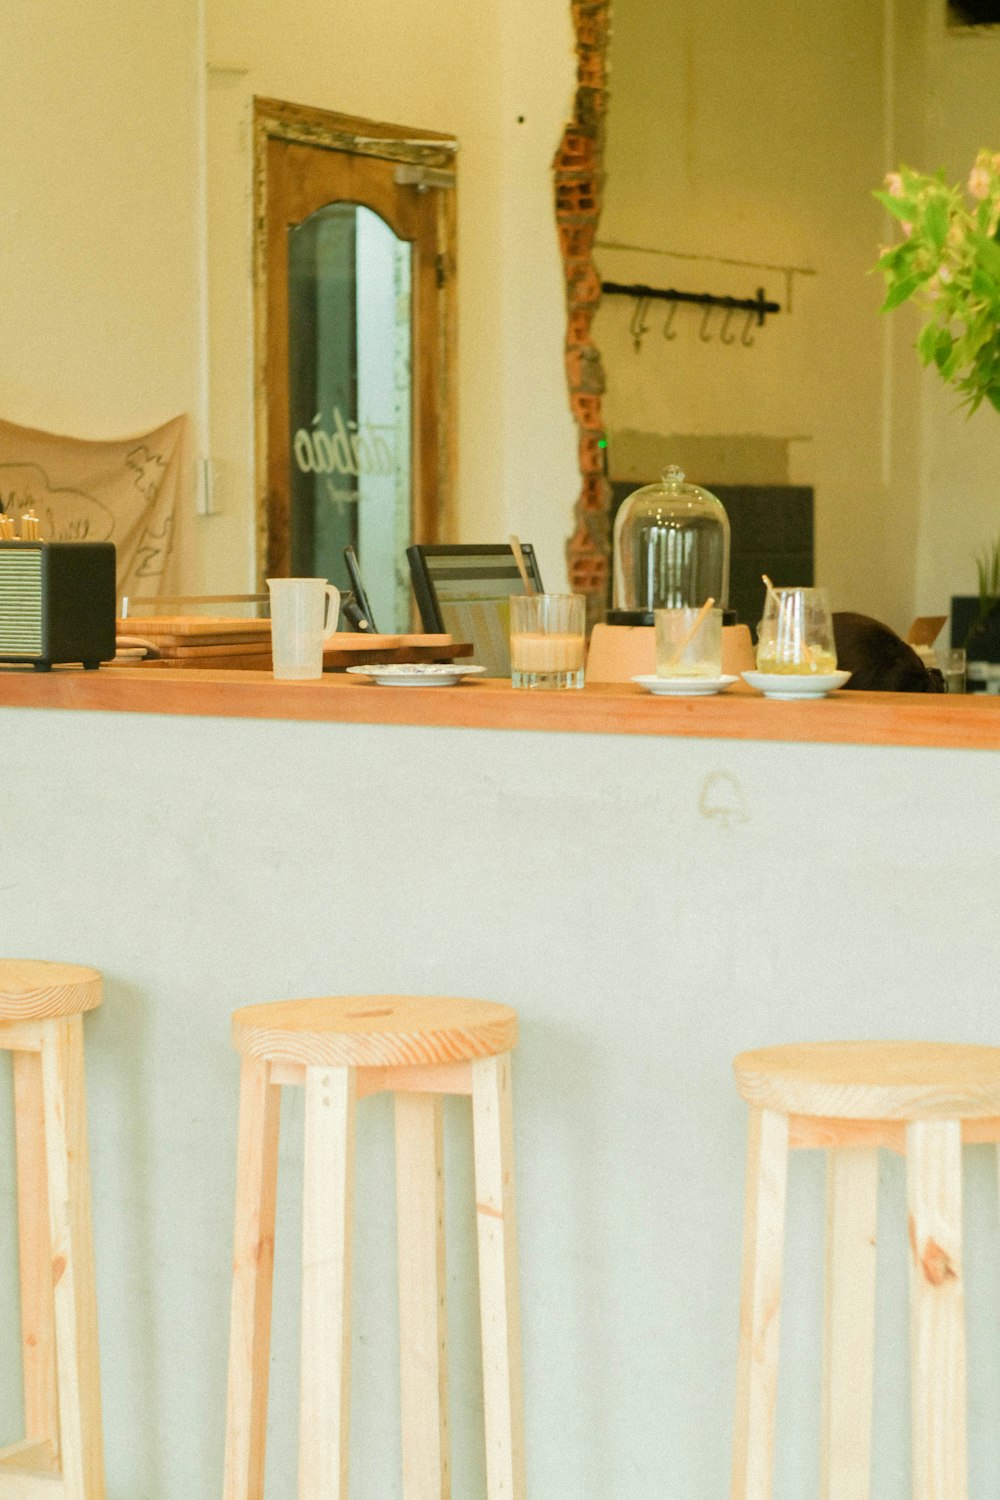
(350, 402)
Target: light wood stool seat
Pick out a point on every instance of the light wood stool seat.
(41, 1024)
(338, 1049)
(922, 1099)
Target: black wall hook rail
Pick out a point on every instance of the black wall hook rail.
(758, 304)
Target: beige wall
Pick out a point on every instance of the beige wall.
(754, 135)
(125, 292)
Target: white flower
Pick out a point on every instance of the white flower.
(979, 182)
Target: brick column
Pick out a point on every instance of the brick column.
(578, 171)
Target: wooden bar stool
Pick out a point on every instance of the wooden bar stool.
(339, 1049)
(849, 1098)
(41, 1024)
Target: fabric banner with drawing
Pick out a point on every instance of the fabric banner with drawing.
(129, 492)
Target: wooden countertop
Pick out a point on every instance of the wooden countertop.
(969, 723)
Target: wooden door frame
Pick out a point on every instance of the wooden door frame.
(434, 304)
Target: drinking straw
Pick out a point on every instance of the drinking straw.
(806, 648)
(522, 567)
(685, 643)
(771, 589)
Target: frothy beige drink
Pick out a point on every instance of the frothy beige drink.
(547, 643)
(535, 651)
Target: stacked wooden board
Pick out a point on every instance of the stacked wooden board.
(200, 641)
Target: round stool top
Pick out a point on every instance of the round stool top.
(873, 1080)
(374, 1030)
(31, 990)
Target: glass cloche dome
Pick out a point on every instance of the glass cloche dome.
(671, 549)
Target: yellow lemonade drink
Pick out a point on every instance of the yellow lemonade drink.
(817, 663)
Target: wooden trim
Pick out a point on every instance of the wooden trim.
(849, 1325)
(413, 1078)
(499, 1305)
(908, 719)
(823, 1133)
(937, 1313)
(353, 133)
(760, 1304)
(327, 1239)
(38, 1336)
(253, 1278)
(434, 311)
(423, 1343)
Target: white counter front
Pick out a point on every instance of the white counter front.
(651, 905)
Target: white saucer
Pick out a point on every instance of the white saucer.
(417, 674)
(795, 684)
(684, 687)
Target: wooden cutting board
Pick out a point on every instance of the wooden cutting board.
(192, 642)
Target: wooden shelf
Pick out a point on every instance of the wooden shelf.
(931, 720)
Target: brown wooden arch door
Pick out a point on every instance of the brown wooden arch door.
(355, 332)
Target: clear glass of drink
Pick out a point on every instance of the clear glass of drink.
(547, 640)
(953, 668)
(796, 633)
(688, 643)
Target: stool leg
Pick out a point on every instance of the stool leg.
(503, 1399)
(327, 1223)
(253, 1274)
(848, 1347)
(422, 1314)
(74, 1289)
(38, 1338)
(760, 1304)
(937, 1326)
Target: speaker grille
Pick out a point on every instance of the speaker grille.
(21, 601)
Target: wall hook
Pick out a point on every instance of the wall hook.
(725, 337)
(638, 326)
(703, 332)
(747, 338)
(668, 326)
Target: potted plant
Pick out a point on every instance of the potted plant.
(948, 264)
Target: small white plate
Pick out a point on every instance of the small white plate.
(417, 674)
(795, 684)
(684, 687)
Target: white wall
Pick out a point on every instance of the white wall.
(727, 895)
(755, 135)
(98, 216)
(105, 285)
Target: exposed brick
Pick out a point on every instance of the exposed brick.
(576, 239)
(582, 280)
(591, 453)
(587, 410)
(578, 191)
(595, 494)
(578, 327)
(591, 71)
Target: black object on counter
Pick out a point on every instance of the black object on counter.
(360, 616)
(57, 602)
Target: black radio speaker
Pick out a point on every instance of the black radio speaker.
(57, 602)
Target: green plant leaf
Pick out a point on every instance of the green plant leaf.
(927, 343)
(943, 346)
(900, 208)
(904, 289)
(936, 221)
(988, 253)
